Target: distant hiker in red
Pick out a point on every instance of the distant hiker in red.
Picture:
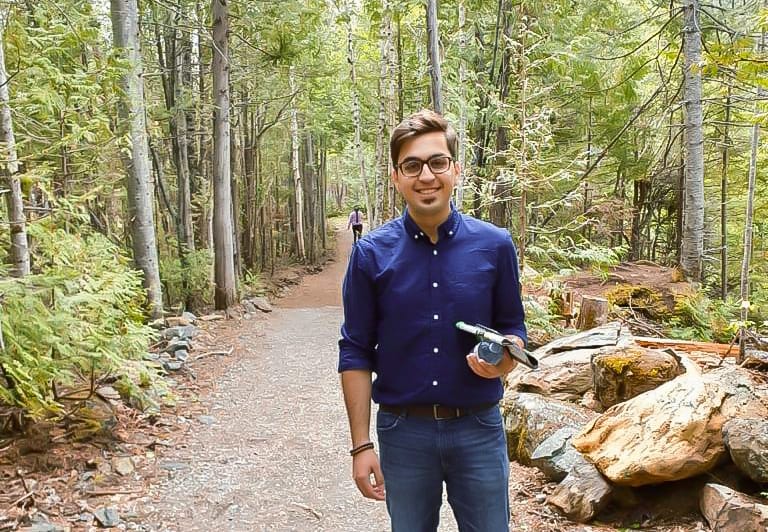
(356, 223)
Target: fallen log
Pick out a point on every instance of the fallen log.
(687, 346)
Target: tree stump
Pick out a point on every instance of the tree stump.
(623, 373)
(593, 312)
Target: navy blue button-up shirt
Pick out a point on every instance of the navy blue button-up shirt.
(403, 295)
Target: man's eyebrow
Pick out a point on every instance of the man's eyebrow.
(439, 154)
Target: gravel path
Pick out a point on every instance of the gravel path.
(273, 457)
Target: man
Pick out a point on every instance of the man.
(407, 284)
(356, 223)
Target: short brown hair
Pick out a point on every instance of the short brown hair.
(424, 121)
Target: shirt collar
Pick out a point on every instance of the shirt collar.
(447, 229)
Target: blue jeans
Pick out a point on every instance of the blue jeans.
(468, 454)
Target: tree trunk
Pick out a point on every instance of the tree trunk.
(693, 220)
(500, 207)
(433, 46)
(181, 150)
(381, 174)
(724, 199)
(18, 254)
(523, 161)
(297, 187)
(462, 132)
(125, 29)
(224, 260)
(592, 313)
(357, 121)
(747, 257)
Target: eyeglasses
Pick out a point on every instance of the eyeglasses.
(437, 165)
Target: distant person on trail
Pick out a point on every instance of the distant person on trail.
(356, 223)
(407, 284)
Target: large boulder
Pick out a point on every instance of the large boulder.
(555, 456)
(530, 419)
(669, 433)
(582, 494)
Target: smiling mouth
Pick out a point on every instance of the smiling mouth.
(427, 191)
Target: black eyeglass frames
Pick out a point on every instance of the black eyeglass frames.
(437, 165)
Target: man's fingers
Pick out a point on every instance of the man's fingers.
(364, 469)
(482, 368)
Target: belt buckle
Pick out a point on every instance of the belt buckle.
(438, 418)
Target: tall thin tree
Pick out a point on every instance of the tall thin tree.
(357, 118)
(693, 218)
(748, 218)
(223, 242)
(433, 46)
(295, 172)
(125, 29)
(18, 254)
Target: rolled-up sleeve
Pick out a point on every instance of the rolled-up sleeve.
(358, 332)
(509, 315)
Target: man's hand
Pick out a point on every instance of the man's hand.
(364, 465)
(482, 368)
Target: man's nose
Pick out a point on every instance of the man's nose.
(426, 174)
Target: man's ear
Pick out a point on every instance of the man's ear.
(395, 179)
(457, 176)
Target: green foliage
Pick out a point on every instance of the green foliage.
(549, 255)
(195, 273)
(696, 317)
(252, 285)
(81, 312)
(542, 324)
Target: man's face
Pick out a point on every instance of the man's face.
(428, 194)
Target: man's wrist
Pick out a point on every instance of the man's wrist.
(357, 449)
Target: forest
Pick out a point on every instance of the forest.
(170, 155)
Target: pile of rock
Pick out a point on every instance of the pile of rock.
(603, 416)
(176, 334)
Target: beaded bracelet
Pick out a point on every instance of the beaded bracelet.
(360, 448)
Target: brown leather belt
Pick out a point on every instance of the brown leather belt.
(435, 411)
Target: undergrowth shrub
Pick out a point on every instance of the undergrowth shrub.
(79, 313)
(198, 290)
(556, 257)
(697, 317)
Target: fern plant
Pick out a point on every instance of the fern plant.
(81, 313)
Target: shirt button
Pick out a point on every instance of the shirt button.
(421, 234)
(435, 350)
(416, 237)
(434, 252)
(437, 317)
(434, 285)
(450, 232)
(434, 383)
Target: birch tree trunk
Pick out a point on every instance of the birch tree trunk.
(125, 30)
(18, 254)
(223, 245)
(724, 198)
(693, 219)
(433, 46)
(357, 121)
(297, 186)
(747, 258)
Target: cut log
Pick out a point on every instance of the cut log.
(684, 345)
(620, 374)
(593, 312)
